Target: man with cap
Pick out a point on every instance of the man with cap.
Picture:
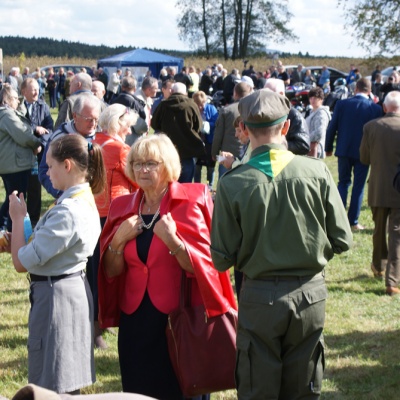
(280, 229)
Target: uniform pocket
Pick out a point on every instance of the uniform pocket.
(316, 294)
(34, 344)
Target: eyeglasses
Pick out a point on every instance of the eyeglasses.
(148, 165)
(88, 119)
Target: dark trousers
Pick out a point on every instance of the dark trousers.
(393, 249)
(280, 349)
(187, 173)
(379, 242)
(346, 167)
(34, 198)
(16, 181)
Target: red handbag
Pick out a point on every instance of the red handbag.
(202, 349)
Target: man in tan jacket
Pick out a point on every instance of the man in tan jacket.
(380, 148)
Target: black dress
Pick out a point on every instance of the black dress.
(142, 345)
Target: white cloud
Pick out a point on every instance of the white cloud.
(152, 23)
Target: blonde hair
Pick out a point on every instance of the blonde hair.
(115, 116)
(157, 147)
(200, 98)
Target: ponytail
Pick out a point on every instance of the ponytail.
(86, 155)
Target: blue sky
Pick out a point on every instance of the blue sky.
(152, 23)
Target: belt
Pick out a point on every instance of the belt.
(288, 278)
(42, 278)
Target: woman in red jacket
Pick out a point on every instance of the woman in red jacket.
(151, 236)
(115, 121)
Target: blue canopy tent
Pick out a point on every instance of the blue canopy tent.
(139, 61)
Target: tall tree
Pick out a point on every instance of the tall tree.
(374, 23)
(241, 24)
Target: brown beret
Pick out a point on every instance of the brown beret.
(264, 108)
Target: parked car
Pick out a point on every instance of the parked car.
(335, 74)
(67, 67)
(316, 71)
(386, 73)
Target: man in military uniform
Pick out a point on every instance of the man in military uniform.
(279, 219)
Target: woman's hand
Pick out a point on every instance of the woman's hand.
(128, 230)
(113, 260)
(165, 229)
(17, 206)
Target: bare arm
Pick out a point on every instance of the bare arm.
(17, 214)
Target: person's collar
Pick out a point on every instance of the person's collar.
(267, 147)
(362, 94)
(72, 190)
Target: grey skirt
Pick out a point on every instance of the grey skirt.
(60, 342)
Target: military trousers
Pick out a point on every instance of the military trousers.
(280, 349)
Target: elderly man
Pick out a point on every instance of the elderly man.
(113, 85)
(349, 117)
(128, 98)
(85, 115)
(279, 219)
(224, 134)
(297, 138)
(147, 93)
(298, 74)
(99, 90)
(180, 119)
(380, 148)
(38, 114)
(12, 78)
(80, 83)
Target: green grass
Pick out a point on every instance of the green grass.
(361, 332)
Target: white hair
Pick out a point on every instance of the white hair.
(179, 87)
(275, 85)
(392, 101)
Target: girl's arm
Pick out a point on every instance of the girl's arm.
(17, 214)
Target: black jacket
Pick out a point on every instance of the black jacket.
(179, 118)
(298, 138)
(132, 102)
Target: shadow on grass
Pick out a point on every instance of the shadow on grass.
(363, 365)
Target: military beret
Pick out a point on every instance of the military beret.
(264, 108)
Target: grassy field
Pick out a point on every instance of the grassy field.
(365, 65)
(361, 333)
(362, 323)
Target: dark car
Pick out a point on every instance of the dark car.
(67, 67)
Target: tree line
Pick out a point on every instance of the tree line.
(39, 47)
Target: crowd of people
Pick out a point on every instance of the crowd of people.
(131, 215)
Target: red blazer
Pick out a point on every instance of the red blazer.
(191, 207)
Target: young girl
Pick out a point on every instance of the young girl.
(60, 342)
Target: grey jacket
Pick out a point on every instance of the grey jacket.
(17, 142)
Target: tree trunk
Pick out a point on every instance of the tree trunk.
(204, 26)
(226, 56)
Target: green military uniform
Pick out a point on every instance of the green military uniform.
(279, 219)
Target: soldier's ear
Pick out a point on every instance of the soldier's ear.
(285, 128)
